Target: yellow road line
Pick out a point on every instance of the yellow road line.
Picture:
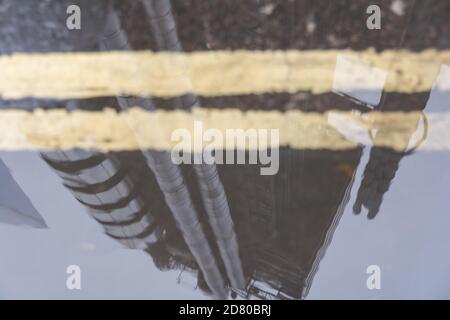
(210, 73)
(110, 131)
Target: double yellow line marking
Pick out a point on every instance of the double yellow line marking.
(214, 73)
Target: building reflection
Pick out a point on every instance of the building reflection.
(263, 239)
(237, 232)
(282, 224)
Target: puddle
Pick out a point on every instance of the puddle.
(93, 205)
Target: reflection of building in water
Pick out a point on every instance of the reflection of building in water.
(286, 222)
(283, 223)
(124, 196)
(118, 194)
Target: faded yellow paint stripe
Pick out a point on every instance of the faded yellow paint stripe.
(111, 131)
(209, 73)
